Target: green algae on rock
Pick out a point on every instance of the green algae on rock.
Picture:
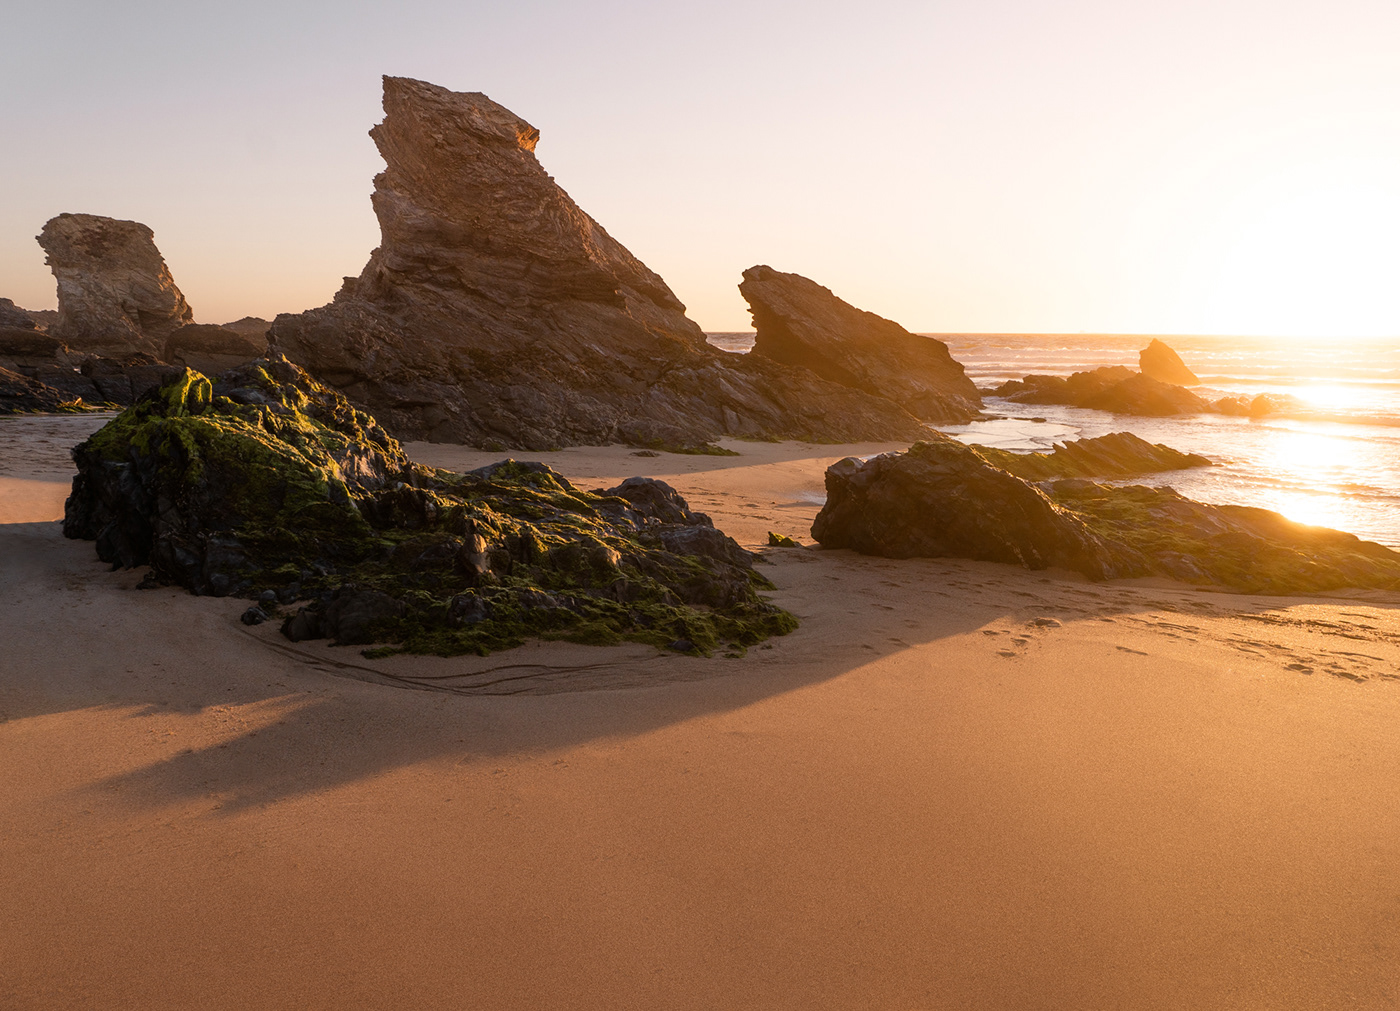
(264, 483)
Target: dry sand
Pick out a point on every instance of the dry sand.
(958, 785)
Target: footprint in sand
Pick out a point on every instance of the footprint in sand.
(1009, 653)
(990, 631)
(1125, 649)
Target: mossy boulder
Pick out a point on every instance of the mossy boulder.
(264, 483)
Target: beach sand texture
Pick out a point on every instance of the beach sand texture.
(957, 785)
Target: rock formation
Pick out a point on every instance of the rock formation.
(22, 395)
(12, 317)
(943, 499)
(211, 349)
(1158, 361)
(1116, 455)
(266, 484)
(1112, 388)
(115, 295)
(799, 322)
(940, 499)
(495, 311)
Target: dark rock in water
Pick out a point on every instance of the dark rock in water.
(211, 349)
(1116, 455)
(22, 395)
(799, 322)
(940, 499)
(12, 317)
(115, 293)
(1145, 396)
(1068, 390)
(1158, 361)
(1113, 388)
(496, 312)
(266, 482)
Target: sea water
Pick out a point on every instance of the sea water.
(1339, 466)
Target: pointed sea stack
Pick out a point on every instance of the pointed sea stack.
(1158, 361)
(496, 312)
(115, 294)
(799, 322)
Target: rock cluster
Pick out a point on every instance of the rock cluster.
(115, 294)
(264, 483)
(212, 349)
(944, 499)
(1116, 455)
(1112, 388)
(495, 311)
(799, 322)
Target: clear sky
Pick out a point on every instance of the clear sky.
(1229, 166)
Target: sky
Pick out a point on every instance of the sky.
(1000, 165)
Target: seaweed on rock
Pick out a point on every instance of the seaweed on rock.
(264, 483)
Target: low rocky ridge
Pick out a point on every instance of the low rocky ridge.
(943, 499)
(495, 312)
(265, 484)
(1112, 388)
(1116, 455)
(799, 322)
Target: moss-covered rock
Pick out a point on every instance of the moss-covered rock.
(265, 483)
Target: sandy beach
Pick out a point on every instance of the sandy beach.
(957, 785)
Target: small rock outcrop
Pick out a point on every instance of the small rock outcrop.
(1116, 455)
(799, 322)
(115, 294)
(212, 349)
(1158, 361)
(1112, 388)
(12, 317)
(496, 312)
(266, 484)
(943, 499)
(22, 395)
(940, 499)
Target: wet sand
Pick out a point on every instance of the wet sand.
(957, 785)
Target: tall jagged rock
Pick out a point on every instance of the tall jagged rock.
(1158, 361)
(497, 311)
(799, 322)
(115, 294)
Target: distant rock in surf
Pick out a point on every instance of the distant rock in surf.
(1112, 388)
(1158, 361)
(496, 312)
(799, 322)
(115, 293)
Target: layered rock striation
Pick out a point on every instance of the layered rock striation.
(115, 294)
(495, 311)
(264, 483)
(800, 322)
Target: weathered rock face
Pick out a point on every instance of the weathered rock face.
(21, 395)
(211, 349)
(115, 293)
(940, 499)
(267, 484)
(1158, 361)
(799, 322)
(1116, 455)
(1112, 388)
(495, 311)
(12, 317)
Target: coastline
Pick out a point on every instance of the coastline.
(956, 784)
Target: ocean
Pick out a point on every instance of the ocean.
(1338, 467)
